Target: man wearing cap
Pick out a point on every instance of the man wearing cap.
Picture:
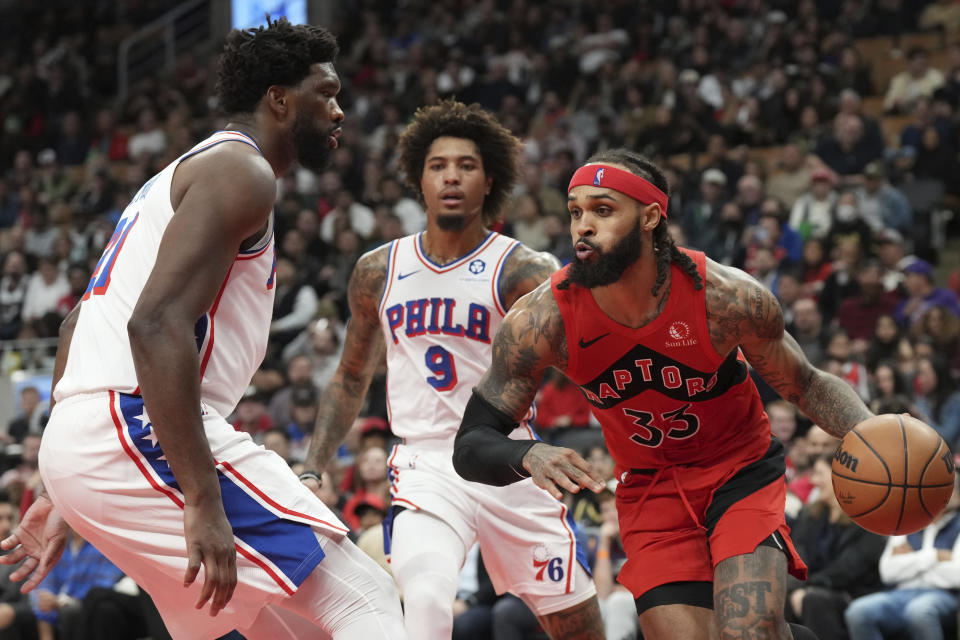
(812, 213)
(657, 337)
(701, 214)
(882, 204)
(922, 294)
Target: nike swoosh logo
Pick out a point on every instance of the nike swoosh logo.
(585, 344)
(401, 276)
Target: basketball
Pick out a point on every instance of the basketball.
(893, 474)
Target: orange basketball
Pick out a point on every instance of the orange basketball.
(893, 474)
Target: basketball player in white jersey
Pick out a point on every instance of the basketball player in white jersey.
(434, 300)
(137, 456)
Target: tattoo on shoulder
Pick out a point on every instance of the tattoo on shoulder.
(368, 279)
(524, 271)
(738, 306)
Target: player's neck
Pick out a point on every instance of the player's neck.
(271, 150)
(444, 246)
(629, 300)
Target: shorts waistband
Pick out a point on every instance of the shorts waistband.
(81, 397)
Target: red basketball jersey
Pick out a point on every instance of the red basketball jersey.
(662, 393)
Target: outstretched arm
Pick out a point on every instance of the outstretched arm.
(363, 350)
(530, 339)
(741, 312)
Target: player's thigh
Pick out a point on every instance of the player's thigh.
(422, 537)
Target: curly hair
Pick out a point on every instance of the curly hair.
(499, 149)
(278, 54)
(663, 245)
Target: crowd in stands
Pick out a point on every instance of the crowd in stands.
(841, 220)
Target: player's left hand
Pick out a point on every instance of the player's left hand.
(554, 468)
(38, 540)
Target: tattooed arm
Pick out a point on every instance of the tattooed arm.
(363, 350)
(524, 271)
(530, 339)
(741, 312)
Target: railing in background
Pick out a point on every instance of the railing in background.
(156, 45)
(34, 355)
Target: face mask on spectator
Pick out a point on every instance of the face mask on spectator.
(846, 213)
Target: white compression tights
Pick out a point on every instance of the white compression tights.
(347, 597)
(426, 556)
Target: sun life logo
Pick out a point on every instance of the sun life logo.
(679, 333)
(477, 266)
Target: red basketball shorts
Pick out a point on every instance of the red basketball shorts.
(677, 523)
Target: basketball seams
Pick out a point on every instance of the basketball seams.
(933, 456)
(906, 460)
(877, 454)
(879, 483)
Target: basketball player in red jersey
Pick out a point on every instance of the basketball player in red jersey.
(658, 339)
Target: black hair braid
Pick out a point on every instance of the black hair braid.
(668, 252)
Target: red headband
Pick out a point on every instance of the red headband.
(602, 175)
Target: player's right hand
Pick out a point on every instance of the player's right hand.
(210, 543)
(38, 540)
(555, 468)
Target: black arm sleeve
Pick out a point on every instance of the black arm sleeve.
(482, 451)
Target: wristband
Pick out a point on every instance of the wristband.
(311, 475)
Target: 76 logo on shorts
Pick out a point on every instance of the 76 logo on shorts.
(552, 567)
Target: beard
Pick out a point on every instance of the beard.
(312, 144)
(453, 222)
(609, 265)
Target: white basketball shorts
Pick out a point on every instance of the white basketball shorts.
(107, 476)
(527, 536)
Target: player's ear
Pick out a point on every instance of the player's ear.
(278, 101)
(650, 216)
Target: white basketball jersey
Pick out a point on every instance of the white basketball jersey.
(231, 336)
(438, 323)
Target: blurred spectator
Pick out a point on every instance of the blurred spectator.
(943, 328)
(321, 343)
(812, 213)
(700, 215)
(149, 139)
(892, 253)
(881, 204)
(919, 79)
(17, 621)
(45, 289)
(792, 177)
(529, 222)
(31, 418)
(922, 294)
(941, 15)
(847, 150)
(108, 140)
(294, 306)
(808, 329)
(841, 559)
(816, 266)
(13, 291)
(585, 505)
(922, 574)
(858, 314)
(299, 374)
(78, 276)
(817, 442)
(889, 386)
(303, 417)
(937, 397)
(348, 211)
(23, 482)
(57, 599)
